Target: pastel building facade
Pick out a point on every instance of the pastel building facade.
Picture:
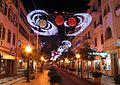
(103, 36)
(14, 36)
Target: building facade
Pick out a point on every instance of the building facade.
(103, 36)
(14, 36)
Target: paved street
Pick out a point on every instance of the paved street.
(43, 79)
(68, 79)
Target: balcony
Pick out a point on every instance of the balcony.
(117, 10)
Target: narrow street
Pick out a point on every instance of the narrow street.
(68, 79)
(43, 79)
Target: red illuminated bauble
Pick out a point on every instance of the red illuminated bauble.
(72, 21)
(59, 20)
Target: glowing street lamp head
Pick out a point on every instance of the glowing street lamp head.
(77, 56)
(28, 49)
(42, 58)
(61, 61)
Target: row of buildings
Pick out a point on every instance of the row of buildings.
(103, 36)
(15, 35)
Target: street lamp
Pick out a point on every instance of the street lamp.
(78, 57)
(28, 49)
(42, 58)
(42, 64)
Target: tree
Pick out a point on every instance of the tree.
(86, 54)
(68, 54)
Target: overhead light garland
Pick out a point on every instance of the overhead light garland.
(48, 28)
(65, 45)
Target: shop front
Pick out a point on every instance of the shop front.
(7, 65)
(103, 63)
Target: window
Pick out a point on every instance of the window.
(2, 31)
(99, 2)
(83, 38)
(86, 36)
(102, 40)
(9, 36)
(89, 35)
(3, 7)
(13, 41)
(15, 20)
(107, 9)
(94, 24)
(95, 42)
(108, 33)
(100, 19)
(23, 32)
(10, 15)
(16, 3)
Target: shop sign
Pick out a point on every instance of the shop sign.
(102, 55)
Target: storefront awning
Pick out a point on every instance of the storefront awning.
(7, 56)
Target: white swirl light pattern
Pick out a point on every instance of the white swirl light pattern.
(84, 20)
(33, 19)
(65, 45)
(82, 24)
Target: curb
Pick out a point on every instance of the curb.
(12, 81)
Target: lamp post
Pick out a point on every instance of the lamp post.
(42, 63)
(28, 49)
(78, 57)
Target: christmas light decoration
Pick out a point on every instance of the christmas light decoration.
(47, 27)
(65, 45)
(34, 20)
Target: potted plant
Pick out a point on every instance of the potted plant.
(117, 79)
(97, 76)
(54, 77)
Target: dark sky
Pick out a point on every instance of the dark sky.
(72, 6)
(56, 5)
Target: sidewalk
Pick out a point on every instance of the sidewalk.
(106, 80)
(42, 79)
(10, 80)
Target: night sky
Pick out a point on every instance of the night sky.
(71, 6)
(56, 5)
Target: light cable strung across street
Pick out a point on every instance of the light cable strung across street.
(78, 21)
